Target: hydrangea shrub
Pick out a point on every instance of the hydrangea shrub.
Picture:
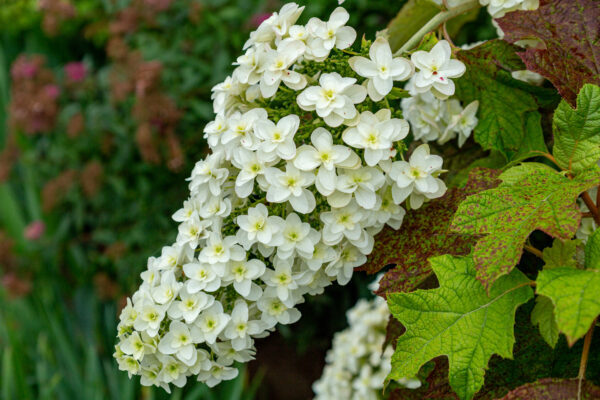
(312, 157)
(307, 164)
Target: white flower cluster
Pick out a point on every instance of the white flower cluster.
(497, 8)
(434, 119)
(357, 363)
(304, 171)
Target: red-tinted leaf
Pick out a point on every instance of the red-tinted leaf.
(393, 330)
(554, 389)
(436, 385)
(570, 32)
(424, 234)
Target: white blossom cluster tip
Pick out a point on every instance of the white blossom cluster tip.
(434, 119)
(304, 171)
(497, 8)
(358, 363)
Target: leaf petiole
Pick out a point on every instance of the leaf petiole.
(436, 21)
(587, 341)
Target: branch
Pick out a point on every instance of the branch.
(591, 206)
(436, 21)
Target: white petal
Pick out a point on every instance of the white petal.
(345, 36)
(380, 52)
(363, 66)
(307, 158)
(383, 86)
(356, 93)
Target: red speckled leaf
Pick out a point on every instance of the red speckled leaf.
(424, 234)
(570, 31)
(532, 197)
(553, 389)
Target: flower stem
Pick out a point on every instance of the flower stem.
(436, 21)
(584, 358)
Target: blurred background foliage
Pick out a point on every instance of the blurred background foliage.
(103, 106)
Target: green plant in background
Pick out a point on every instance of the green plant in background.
(55, 350)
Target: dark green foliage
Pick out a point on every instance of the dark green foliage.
(508, 116)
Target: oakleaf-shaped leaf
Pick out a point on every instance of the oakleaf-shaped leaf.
(424, 234)
(569, 55)
(508, 117)
(542, 199)
(575, 295)
(543, 316)
(577, 131)
(561, 254)
(554, 389)
(460, 320)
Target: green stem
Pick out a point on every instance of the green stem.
(436, 21)
(533, 251)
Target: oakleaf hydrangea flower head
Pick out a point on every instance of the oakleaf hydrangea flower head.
(461, 124)
(358, 363)
(434, 119)
(435, 68)
(304, 170)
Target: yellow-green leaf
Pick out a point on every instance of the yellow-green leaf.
(460, 320)
(575, 294)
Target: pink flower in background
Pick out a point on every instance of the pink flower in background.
(257, 19)
(159, 5)
(75, 71)
(52, 91)
(24, 68)
(34, 230)
(15, 286)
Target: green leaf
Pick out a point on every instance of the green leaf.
(592, 251)
(508, 117)
(460, 320)
(543, 316)
(574, 293)
(413, 15)
(533, 197)
(561, 254)
(423, 237)
(576, 138)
